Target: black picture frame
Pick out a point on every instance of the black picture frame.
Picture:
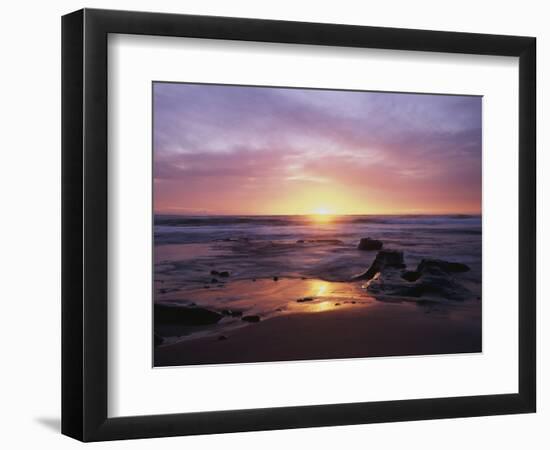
(84, 224)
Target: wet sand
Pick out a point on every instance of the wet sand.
(376, 329)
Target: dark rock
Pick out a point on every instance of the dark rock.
(391, 258)
(384, 259)
(435, 267)
(432, 283)
(275, 278)
(305, 299)
(369, 244)
(416, 291)
(411, 275)
(184, 315)
(445, 266)
(220, 273)
(337, 304)
(438, 283)
(214, 280)
(252, 319)
(369, 274)
(222, 338)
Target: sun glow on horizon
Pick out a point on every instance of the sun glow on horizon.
(322, 211)
(322, 215)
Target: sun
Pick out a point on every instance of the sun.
(322, 211)
(321, 215)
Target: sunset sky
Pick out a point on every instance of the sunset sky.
(254, 150)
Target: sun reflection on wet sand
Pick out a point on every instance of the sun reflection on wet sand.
(323, 306)
(318, 287)
(269, 298)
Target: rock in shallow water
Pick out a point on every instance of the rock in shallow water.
(391, 258)
(432, 278)
(220, 273)
(411, 275)
(390, 285)
(429, 281)
(183, 315)
(436, 287)
(369, 244)
(445, 266)
(384, 259)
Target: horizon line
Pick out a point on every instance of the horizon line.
(160, 213)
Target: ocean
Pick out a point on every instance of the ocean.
(449, 237)
(270, 264)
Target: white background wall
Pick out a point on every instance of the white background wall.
(30, 225)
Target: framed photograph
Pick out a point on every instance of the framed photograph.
(272, 224)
